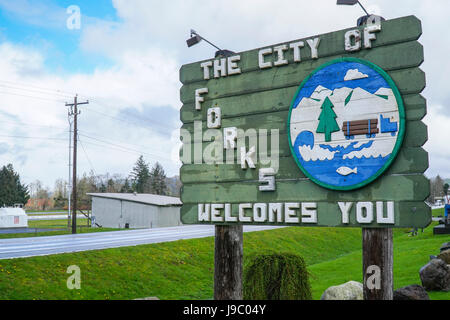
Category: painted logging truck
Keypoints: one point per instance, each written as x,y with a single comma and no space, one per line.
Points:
368,127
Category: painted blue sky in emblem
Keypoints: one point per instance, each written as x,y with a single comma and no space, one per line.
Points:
332,77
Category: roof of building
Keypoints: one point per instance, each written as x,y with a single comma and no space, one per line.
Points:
12,211
145,198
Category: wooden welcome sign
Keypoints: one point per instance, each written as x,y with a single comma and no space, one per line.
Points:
321,131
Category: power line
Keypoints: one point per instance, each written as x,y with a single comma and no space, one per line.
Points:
28,137
125,148
120,141
24,124
112,148
85,153
141,125
32,97
140,117
69,94
34,90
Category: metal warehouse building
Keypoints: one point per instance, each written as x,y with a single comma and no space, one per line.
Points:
128,210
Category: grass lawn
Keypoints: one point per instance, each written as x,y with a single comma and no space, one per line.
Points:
45,211
184,269
43,214
410,254
438,212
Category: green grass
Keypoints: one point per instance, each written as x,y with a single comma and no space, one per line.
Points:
410,254
60,223
184,269
438,212
47,210
43,214
54,224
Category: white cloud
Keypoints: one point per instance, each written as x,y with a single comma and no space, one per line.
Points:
147,48
145,82
235,25
354,74
437,121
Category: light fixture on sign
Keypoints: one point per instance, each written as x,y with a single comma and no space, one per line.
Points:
196,38
351,3
367,19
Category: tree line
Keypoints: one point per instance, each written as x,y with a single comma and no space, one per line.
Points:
438,188
142,179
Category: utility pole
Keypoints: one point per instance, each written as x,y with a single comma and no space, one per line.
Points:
75,114
69,186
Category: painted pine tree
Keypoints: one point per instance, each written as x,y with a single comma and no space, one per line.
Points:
327,120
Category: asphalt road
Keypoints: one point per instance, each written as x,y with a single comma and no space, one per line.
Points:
39,246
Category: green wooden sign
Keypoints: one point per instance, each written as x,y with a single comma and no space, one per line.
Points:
321,131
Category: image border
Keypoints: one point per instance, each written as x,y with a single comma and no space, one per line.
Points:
400,136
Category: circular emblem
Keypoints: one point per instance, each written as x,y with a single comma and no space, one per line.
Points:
346,124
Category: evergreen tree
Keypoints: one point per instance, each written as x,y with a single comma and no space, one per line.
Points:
158,180
102,188
140,176
327,119
111,186
11,189
126,188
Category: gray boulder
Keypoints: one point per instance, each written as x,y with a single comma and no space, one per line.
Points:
351,290
445,246
445,256
413,292
435,276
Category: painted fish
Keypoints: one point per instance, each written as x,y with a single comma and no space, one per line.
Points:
345,171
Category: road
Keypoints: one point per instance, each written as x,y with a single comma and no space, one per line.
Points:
40,246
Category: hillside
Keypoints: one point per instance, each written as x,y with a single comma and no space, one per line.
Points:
184,269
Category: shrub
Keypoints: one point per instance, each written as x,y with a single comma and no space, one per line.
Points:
276,276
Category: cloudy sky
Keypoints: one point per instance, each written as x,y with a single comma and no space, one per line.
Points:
125,58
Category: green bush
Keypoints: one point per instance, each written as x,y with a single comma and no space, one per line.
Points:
276,276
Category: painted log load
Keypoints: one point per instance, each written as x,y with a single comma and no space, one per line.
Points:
368,127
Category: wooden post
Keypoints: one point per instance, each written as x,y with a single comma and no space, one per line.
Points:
228,256
378,264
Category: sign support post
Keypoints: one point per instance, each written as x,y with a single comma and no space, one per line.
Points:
378,260
228,256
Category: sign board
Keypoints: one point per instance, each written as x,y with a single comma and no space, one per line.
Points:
321,131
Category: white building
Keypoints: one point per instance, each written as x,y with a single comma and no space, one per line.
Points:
128,210
13,218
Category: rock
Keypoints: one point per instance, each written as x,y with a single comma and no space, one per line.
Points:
351,290
435,275
413,292
433,257
445,246
147,298
445,256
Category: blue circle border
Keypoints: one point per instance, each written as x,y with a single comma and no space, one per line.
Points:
401,134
